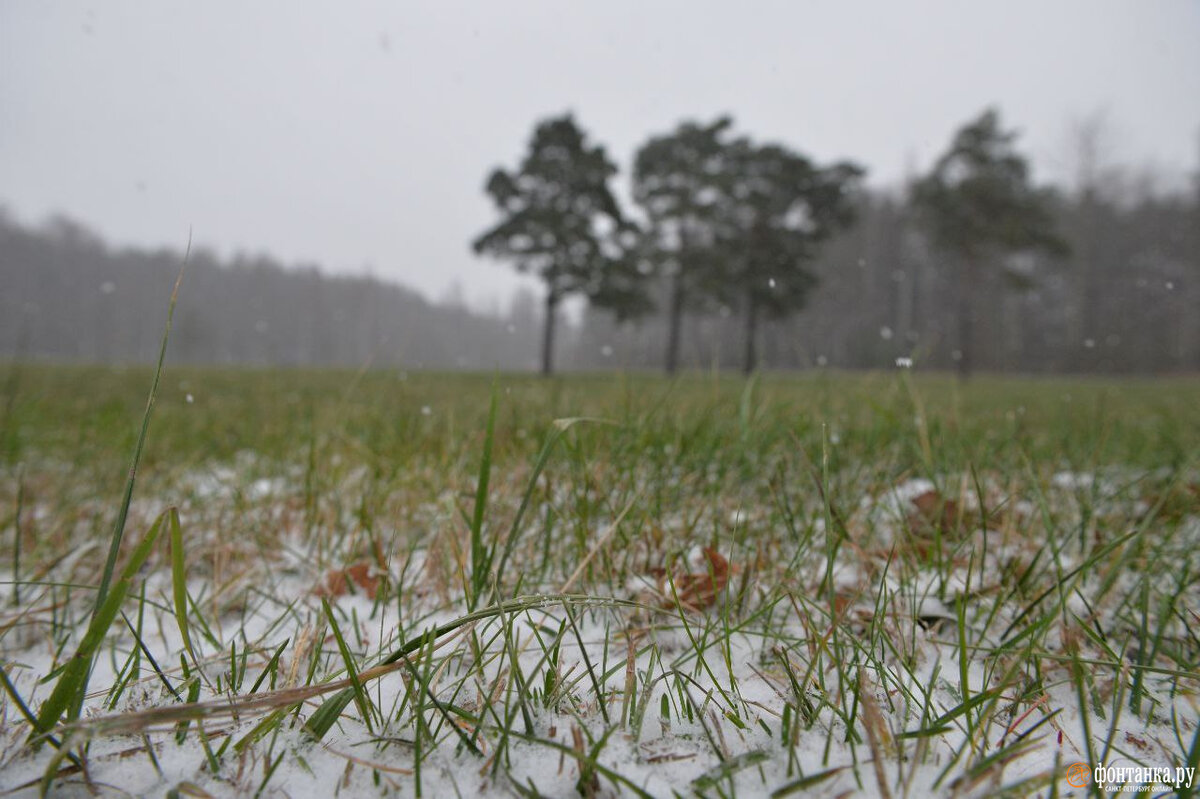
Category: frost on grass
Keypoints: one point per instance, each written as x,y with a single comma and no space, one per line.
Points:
949,634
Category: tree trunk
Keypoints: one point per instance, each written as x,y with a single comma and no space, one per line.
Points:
548,333
674,322
750,358
966,318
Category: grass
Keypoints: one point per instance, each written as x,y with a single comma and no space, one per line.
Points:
419,584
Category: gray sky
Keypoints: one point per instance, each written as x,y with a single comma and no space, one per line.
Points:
356,134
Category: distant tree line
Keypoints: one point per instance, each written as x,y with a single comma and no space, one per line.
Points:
732,253
68,296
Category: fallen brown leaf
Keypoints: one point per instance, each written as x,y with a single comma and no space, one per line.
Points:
338,582
933,509
699,591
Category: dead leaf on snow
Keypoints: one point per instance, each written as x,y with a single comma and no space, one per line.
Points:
934,509
695,590
359,576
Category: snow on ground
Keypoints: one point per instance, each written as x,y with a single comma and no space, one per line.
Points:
808,675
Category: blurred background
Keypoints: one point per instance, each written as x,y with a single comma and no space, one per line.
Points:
1006,187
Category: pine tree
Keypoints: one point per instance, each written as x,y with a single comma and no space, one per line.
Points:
679,180
978,205
560,221
779,208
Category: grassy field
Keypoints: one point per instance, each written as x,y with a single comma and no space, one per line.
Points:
369,584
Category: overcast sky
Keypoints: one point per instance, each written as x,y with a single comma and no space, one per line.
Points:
357,135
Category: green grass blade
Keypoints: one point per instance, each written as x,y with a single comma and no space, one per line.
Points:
327,714
723,771
118,532
561,426
19,701
588,761
179,584
271,667
360,697
805,783
481,556
73,680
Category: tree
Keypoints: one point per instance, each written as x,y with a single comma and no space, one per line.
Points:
561,222
778,208
678,180
977,205
1083,220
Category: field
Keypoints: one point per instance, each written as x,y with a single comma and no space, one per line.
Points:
371,583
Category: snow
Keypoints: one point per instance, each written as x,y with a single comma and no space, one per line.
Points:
735,678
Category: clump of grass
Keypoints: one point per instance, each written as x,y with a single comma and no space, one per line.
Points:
70,688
